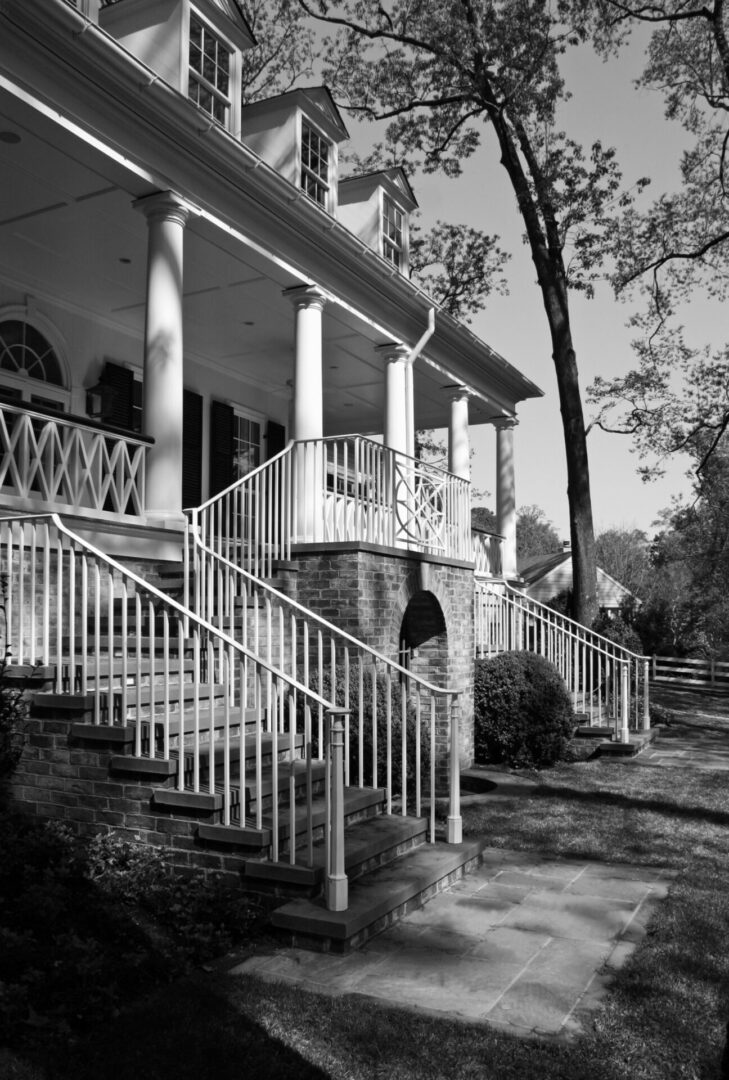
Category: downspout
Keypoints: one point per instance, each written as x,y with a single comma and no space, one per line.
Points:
409,389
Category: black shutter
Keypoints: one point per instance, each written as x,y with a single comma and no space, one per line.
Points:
192,424
275,438
118,402
221,446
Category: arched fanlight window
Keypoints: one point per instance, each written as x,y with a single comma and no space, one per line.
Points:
25,352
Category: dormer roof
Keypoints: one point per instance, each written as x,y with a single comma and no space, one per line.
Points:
394,181
315,101
234,13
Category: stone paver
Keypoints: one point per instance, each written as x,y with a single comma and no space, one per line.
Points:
524,943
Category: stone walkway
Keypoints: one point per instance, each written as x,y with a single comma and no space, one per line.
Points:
526,943
529,944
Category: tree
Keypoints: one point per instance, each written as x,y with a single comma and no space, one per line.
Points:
441,72
676,397
623,553
685,609
284,52
535,534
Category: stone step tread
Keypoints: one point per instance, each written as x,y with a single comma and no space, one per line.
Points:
365,839
376,895
356,800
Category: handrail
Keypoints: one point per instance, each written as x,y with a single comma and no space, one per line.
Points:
519,596
243,479
312,616
588,661
170,602
75,420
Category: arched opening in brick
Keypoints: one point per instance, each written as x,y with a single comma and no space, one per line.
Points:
424,639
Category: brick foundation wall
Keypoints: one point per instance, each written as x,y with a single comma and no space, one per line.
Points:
70,779
367,592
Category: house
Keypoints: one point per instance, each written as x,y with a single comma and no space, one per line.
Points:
546,576
248,607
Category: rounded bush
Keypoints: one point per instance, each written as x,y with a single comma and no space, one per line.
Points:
523,710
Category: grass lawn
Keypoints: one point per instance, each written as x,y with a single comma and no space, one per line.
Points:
664,1017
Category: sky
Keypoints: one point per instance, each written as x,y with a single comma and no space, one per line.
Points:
605,105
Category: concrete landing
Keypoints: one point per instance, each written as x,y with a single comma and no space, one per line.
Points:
525,943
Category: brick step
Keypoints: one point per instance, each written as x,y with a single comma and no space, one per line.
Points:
376,899
250,793
369,842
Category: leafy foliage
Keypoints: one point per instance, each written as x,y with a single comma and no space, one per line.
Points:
523,710
676,396
458,265
284,53
623,553
86,927
535,534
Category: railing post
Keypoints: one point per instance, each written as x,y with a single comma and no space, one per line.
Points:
646,700
455,821
336,884
624,736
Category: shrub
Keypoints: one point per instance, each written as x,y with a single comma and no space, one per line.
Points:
87,926
616,629
523,710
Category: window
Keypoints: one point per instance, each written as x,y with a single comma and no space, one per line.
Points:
315,154
393,223
26,360
246,445
209,76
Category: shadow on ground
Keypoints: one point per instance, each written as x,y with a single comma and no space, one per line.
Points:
186,1031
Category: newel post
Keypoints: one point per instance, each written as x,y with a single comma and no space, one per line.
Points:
336,885
625,702
646,698
455,821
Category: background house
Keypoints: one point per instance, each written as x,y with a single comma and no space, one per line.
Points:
546,576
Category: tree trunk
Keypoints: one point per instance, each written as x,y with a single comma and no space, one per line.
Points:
582,536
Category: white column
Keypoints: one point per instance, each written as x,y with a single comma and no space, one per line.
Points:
396,435
459,448
308,412
399,436
506,491
163,354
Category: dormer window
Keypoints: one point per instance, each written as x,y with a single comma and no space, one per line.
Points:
393,232
315,158
209,75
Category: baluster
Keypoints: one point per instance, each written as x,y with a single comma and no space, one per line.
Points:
152,633
418,748
124,644
59,613
271,705
166,680
432,769
210,651
84,622
374,723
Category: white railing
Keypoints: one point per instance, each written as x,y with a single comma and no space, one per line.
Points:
488,554
337,490
63,463
230,719
185,689
380,695
607,682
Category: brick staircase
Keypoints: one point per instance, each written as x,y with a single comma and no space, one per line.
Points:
131,730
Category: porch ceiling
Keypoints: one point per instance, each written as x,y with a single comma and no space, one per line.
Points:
69,236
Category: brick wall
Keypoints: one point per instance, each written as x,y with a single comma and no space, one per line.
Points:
368,592
68,778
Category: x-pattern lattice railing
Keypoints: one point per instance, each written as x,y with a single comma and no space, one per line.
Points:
60,462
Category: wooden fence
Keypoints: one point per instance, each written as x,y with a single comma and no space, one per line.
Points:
709,673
